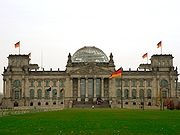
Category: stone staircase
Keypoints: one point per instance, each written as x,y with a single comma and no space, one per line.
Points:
90,104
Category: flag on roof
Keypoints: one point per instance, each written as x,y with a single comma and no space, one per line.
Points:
145,55
159,44
116,73
17,44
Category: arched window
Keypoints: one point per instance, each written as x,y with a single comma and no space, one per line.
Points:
31,104
39,93
126,93
141,94
17,94
61,92
15,104
118,93
47,94
31,93
39,103
54,93
54,103
133,94
149,93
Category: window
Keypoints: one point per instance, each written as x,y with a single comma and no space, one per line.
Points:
148,83
90,88
47,94
15,104
31,94
164,94
39,103
54,83
126,93
118,82
141,94
61,83
98,87
61,92
39,83
133,83
133,94
39,93
31,104
126,83
31,83
149,94
118,93
141,83
54,93
83,88
47,83
17,95
17,83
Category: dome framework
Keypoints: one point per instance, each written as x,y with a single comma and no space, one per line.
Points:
89,54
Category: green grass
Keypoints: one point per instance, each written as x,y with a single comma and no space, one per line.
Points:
93,121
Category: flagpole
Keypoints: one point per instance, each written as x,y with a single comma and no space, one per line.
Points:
19,50
161,49
41,59
121,94
147,58
121,89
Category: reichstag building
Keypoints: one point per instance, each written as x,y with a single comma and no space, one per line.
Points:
86,82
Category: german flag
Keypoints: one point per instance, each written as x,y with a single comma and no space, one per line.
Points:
145,55
159,44
116,73
16,45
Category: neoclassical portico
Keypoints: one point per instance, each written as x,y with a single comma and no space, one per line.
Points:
89,89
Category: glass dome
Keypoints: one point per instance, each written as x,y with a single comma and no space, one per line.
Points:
89,54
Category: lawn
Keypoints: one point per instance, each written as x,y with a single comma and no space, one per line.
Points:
93,121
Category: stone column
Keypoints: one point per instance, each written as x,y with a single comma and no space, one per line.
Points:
26,87
58,90
50,92
4,87
9,89
22,95
145,89
86,98
102,87
94,89
176,89
35,89
79,96
130,90
43,89
137,90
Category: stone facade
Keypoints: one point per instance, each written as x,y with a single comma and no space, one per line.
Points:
86,82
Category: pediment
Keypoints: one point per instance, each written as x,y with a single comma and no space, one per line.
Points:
88,70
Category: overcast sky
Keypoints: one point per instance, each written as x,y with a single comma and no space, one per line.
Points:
50,29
